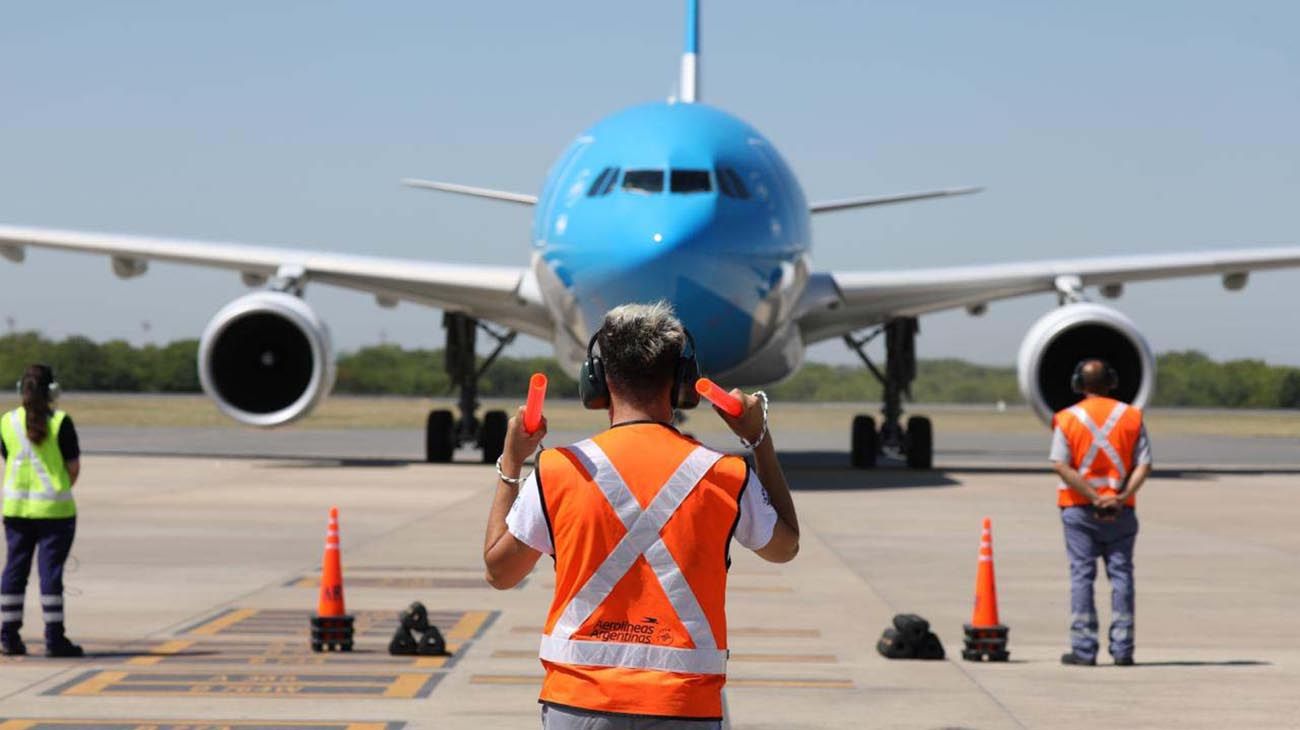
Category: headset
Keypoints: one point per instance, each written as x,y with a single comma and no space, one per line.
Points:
44,381
1076,380
593,389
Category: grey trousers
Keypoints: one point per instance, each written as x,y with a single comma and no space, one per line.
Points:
1087,539
555,717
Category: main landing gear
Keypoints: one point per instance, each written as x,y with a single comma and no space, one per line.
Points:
445,432
915,444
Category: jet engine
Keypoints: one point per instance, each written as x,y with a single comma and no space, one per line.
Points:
266,359
1056,344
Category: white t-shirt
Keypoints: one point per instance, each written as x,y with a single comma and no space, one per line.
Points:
527,519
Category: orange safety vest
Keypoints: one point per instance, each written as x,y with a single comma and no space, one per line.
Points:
641,519
1102,434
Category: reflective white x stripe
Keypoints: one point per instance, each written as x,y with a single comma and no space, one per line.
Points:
642,539
638,656
25,453
1101,439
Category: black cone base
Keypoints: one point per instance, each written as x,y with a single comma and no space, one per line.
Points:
986,643
331,633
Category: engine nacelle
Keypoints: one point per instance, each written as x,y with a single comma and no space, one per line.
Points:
1056,344
266,359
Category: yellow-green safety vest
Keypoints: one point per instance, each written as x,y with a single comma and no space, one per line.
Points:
37,484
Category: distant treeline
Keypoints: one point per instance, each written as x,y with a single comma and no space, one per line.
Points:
1185,378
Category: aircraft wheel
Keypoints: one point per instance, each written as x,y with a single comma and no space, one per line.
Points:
865,444
920,443
439,437
492,437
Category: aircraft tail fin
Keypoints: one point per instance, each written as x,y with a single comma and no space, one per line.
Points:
689,91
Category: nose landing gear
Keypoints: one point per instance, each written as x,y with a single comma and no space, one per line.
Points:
913,444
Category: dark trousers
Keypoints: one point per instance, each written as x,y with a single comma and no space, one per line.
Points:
50,541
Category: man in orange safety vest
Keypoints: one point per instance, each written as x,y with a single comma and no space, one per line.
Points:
1101,452
639,521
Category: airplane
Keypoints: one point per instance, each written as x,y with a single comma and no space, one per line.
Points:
675,200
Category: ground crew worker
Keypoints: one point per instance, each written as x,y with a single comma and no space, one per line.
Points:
1101,452
639,520
42,461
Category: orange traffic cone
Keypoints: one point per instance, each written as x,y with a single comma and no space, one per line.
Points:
331,627
986,637
331,572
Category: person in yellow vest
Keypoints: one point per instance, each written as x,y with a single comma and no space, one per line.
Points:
639,520
1102,454
42,460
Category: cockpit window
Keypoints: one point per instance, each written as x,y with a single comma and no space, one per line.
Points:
644,181
730,183
599,182
690,181
609,181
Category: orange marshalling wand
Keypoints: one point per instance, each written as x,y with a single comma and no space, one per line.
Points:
986,637
726,402
533,406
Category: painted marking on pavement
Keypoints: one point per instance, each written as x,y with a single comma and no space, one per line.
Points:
465,625
63,724
275,652
101,683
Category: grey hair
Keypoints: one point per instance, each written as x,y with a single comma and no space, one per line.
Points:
640,345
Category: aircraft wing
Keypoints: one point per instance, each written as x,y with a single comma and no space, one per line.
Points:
835,303
501,294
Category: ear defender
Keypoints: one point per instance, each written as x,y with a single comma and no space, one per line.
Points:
1076,379
684,394
46,381
592,388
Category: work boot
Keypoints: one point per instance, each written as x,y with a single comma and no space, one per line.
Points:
63,649
1071,659
1123,661
12,646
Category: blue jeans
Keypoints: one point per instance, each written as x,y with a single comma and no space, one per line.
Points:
1087,539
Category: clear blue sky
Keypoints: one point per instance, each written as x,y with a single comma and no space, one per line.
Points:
1101,127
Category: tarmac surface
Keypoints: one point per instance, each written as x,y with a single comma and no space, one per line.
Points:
195,576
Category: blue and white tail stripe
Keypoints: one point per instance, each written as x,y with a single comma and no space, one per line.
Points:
690,82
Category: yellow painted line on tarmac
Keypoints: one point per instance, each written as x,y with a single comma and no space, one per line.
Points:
182,724
95,684
407,686
222,623
160,652
468,626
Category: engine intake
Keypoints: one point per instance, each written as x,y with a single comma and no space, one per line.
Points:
1056,344
266,359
